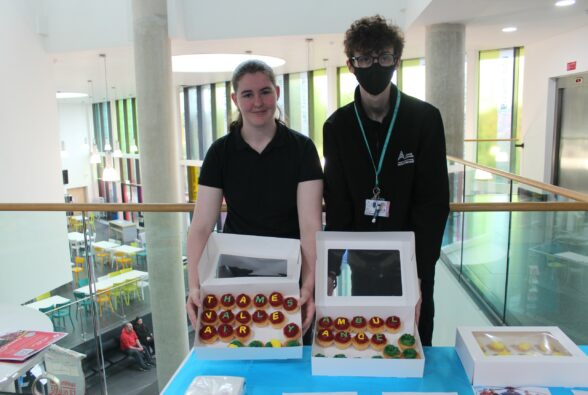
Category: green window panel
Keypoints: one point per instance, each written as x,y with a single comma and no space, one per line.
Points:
411,77
499,105
318,108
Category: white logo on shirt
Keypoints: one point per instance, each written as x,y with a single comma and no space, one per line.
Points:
405,159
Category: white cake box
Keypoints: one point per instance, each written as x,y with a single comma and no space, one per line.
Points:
239,264
521,356
402,304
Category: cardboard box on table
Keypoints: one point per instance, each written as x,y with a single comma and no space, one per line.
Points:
368,306
250,247
567,367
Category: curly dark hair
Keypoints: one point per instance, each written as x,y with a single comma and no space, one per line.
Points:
373,34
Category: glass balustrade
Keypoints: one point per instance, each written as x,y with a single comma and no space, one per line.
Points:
89,271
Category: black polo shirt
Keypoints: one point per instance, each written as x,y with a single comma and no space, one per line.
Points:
260,189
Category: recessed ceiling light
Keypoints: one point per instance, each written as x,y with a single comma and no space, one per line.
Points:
564,3
509,29
209,63
70,95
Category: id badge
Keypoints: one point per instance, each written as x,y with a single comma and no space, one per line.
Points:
377,208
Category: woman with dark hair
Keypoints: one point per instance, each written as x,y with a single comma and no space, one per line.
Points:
270,177
144,334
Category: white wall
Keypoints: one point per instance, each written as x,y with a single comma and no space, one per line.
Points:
75,126
33,246
546,60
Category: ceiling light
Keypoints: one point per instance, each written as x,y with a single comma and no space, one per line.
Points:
564,3
509,29
70,95
208,63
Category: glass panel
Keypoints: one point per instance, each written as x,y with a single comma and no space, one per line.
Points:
346,84
207,133
367,272
281,101
220,112
548,272
319,107
413,77
495,99
484,255
298,102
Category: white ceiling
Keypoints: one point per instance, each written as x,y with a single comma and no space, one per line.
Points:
77,31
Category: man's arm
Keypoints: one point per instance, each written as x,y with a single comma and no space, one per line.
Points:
339,207
430,206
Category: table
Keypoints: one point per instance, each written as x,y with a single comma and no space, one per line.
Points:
16,318
76,237
443,373
573,257
125,231
126,249
105,245
48,302
106,282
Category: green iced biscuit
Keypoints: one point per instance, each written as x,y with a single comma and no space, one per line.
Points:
340,356
235,344
409,353
256,343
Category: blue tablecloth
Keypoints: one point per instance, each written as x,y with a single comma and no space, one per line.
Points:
443,373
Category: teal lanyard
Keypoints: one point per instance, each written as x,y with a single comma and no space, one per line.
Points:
392,122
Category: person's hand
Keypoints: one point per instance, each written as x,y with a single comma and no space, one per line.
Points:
308,308
141,348
193,304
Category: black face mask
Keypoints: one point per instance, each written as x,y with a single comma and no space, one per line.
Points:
374,79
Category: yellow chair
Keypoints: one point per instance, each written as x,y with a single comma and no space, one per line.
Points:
122,260
43,296
78,268
101,254
131,287
117,291
103,298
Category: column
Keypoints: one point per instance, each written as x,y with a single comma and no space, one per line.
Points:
160,180
445,60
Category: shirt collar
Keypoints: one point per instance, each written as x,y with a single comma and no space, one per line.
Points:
278,140
393,92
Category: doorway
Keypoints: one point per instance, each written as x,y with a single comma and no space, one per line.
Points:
571,134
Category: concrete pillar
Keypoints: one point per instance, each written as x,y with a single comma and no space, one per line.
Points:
445,60
160,180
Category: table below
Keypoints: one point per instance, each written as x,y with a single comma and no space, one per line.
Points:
105,245
443,373
48,302
106,282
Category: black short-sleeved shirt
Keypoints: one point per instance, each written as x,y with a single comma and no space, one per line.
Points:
260,189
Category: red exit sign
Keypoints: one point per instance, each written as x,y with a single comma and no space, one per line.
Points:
571,66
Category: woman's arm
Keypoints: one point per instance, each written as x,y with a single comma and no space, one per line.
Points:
309,203
206,213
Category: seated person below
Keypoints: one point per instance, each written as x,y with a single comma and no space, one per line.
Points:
130,345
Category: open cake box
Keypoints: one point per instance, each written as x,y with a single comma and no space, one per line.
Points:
521,356
386,255
236,265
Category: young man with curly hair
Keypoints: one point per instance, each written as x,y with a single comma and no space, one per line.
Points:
385,164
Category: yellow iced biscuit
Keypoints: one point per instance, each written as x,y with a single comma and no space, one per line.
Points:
524,346
504,352
496,346
273,343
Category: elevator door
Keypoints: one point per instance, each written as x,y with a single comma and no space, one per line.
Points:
571,164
